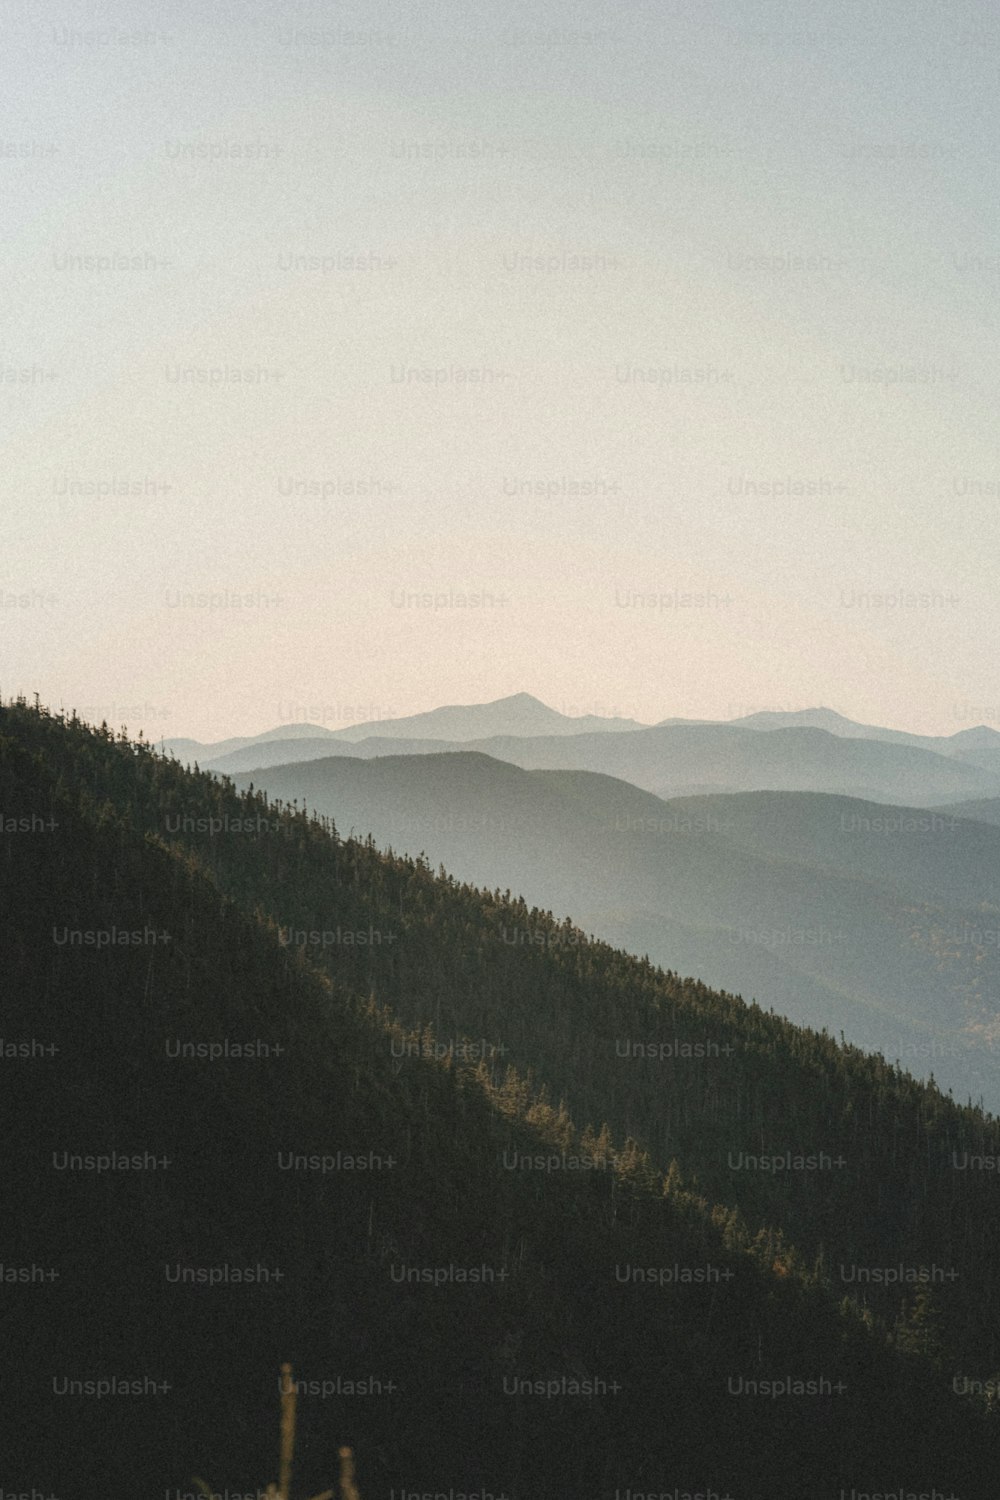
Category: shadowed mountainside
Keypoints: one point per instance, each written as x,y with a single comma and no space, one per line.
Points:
139,1169
867,919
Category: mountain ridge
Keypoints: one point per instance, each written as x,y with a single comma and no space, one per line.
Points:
729,887
522,715
248,871
678,760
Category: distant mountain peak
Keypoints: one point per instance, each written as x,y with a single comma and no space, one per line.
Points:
807,718
517,714
979,736
816,718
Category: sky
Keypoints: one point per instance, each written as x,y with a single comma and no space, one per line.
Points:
357,359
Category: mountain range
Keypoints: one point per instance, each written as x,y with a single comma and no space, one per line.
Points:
690,760
238,1042
816,750
518,714
879,922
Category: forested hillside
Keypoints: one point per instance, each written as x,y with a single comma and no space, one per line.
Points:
425,1065
874,921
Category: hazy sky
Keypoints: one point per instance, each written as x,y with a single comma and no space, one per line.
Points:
706,294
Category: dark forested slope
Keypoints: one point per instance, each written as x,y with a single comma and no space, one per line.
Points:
356,1155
